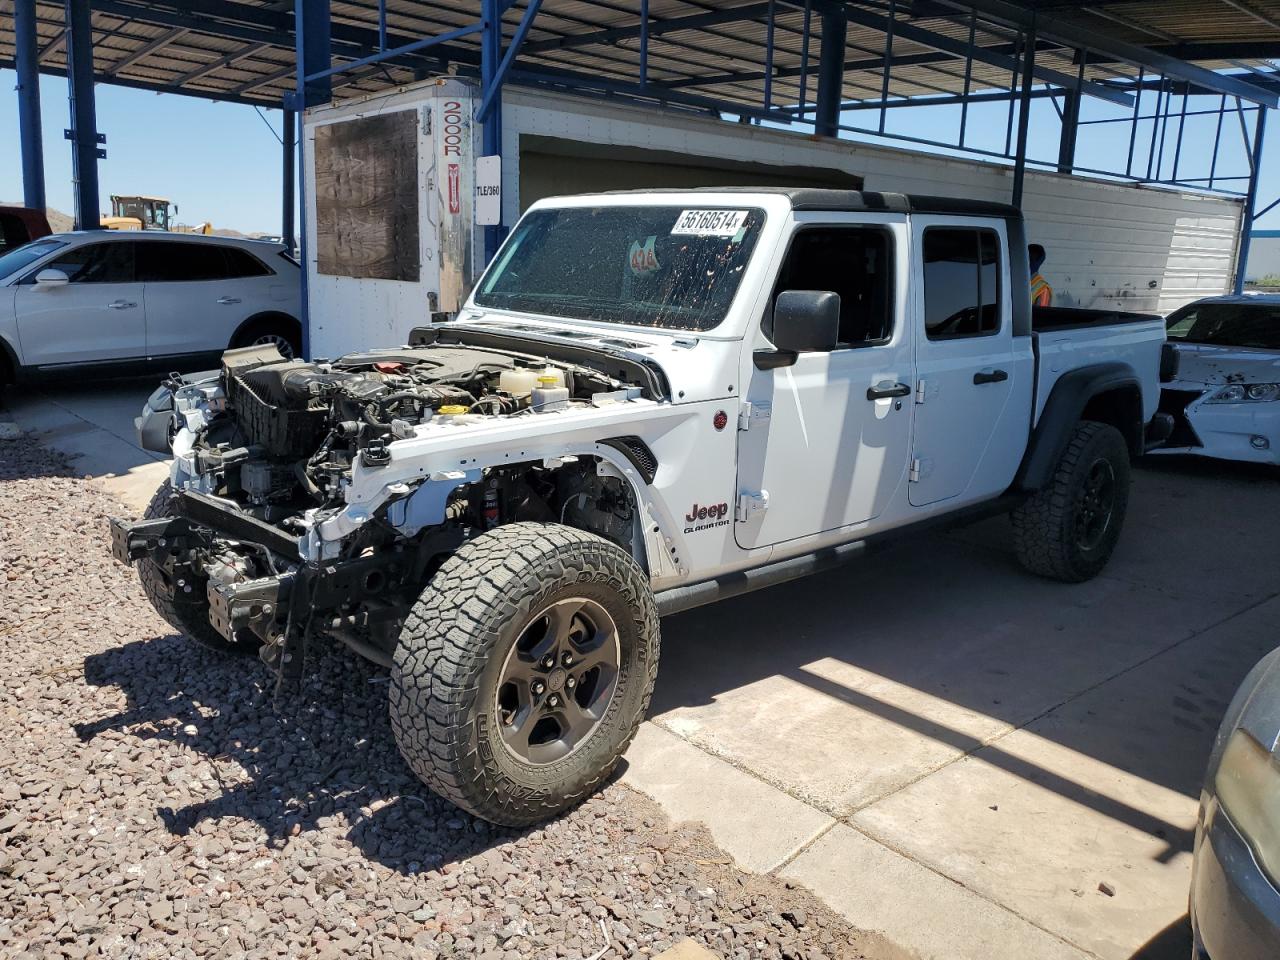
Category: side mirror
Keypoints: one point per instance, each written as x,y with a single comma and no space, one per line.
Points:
51,277
804,321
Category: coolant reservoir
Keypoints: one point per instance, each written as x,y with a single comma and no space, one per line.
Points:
518,383
551,373
549,395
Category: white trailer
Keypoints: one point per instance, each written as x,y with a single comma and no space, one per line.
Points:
1113,245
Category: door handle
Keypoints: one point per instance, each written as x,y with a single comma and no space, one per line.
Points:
990,376
227,300
887,388
121,305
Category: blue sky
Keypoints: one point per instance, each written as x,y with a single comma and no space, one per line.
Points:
220,162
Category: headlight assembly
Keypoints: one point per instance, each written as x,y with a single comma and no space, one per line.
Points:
1248,787
1246,393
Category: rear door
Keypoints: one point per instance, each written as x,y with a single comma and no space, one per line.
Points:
968,432
198,294
98,317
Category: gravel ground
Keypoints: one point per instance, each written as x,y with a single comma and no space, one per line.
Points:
157,800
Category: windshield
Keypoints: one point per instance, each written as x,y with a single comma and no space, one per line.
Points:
20,258
1254,325
648,266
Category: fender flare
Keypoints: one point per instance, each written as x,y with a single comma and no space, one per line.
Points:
1065,408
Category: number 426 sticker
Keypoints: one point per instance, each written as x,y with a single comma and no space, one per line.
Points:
709,223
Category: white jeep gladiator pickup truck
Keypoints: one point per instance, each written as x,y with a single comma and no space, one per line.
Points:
650,401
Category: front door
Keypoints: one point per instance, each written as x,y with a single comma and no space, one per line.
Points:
826,439
98,317
967,434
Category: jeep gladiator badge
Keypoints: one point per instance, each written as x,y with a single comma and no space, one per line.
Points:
706,518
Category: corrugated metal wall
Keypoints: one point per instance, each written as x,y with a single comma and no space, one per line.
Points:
1113,245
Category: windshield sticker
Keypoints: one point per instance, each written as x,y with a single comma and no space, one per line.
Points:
709,223
643,259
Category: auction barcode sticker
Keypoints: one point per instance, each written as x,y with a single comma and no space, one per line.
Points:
709,223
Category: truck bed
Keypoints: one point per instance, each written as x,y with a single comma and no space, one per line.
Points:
1066,338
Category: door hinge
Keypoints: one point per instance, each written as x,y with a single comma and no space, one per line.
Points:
760,412
919,391
914,475
750,504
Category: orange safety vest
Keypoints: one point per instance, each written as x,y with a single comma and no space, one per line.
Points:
1041,292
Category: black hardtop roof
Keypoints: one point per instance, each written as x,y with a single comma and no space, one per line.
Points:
840,201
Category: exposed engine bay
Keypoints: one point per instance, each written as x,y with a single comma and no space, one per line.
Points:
260,525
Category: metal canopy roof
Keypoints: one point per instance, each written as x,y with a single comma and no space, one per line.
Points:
720,50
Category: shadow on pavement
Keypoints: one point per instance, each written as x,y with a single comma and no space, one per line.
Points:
290,759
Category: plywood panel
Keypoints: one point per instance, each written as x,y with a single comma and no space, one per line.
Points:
366,184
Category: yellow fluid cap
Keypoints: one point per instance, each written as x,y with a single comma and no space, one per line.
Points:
544,380
451,410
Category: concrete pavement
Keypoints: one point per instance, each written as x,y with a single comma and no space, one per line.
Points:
93,424
947,750
992,749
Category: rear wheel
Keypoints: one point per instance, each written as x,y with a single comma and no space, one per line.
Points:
1068,530
187,612
523,671
280,331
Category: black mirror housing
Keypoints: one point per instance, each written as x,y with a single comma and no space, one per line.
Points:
806,321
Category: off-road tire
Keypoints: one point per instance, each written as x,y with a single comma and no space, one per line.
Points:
1047,525
453,647
189,618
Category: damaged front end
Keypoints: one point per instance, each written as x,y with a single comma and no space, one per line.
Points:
258,535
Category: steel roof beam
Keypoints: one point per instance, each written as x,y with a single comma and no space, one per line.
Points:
751,11
1073,35
960,48
159,43
229,60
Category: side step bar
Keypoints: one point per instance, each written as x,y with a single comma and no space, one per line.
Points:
679,599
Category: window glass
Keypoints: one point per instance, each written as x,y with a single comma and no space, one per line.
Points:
19,258
856,263
961,282
96,263
1255,325
660,266
241,263
160,261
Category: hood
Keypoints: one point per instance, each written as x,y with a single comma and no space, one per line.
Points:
1210,364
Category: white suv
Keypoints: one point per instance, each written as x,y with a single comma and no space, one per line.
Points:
111,304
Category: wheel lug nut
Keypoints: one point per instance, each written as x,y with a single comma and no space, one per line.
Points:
567,659
570,682
548,661
538,687
553,701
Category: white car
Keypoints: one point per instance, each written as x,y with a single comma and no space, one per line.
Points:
102,303
1225,394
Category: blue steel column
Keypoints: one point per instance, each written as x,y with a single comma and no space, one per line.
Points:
312,45
491,125
1251,199
287,177
28,67
1024,114
84,119
831,72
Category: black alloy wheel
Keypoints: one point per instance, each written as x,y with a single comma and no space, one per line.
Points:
558,680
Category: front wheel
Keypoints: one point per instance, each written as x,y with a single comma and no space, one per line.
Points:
523,671
1068,530
183,606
